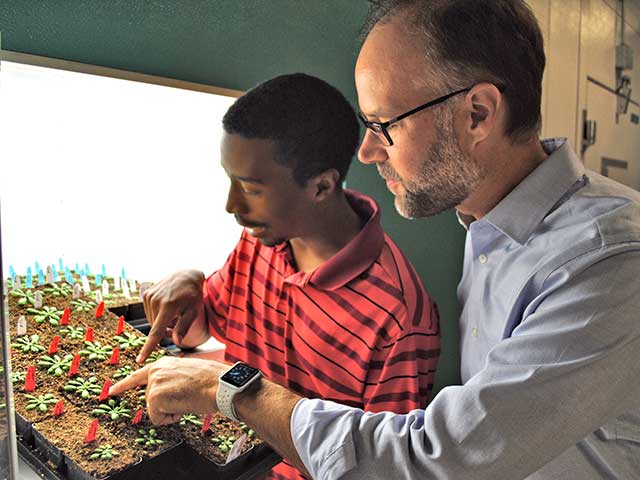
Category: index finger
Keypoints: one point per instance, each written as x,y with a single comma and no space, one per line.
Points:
157,332
136,379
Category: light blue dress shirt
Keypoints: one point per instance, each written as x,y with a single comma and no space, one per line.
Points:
550,350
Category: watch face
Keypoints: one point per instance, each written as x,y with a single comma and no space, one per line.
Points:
240,375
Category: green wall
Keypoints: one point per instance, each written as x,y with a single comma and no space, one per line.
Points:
235,44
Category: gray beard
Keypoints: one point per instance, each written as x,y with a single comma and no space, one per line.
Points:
446,178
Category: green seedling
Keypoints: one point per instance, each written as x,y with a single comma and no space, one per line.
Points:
157,355
73,332
129,340
104,452
245,428
49,314
190,418
96,351
18,377
55,364
223,443
116,410
29,344
84,388
41,402
83,305
142,395
123,372
25,296
148,438
62,290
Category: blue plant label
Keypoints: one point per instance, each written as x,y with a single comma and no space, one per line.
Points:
29,280
60,264
86,269
40,277
98,279
104,270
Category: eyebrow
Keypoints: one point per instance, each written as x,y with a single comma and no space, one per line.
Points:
249,179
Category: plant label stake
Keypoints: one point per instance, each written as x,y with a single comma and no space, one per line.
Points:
104,394
93,430
75,365
49,278
99,308
37,300
99,297
120,327
53,348
55,275
98,280
206,424
125,289
59,409
132,285
60,264
17,285
30,379
115,356
85,284
86,268
105,287
65,316
29,280
76,291
236,448
137,418
103,270
21,328
89,336
40,277
116,283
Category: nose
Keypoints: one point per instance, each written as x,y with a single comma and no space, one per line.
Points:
235,201
371,149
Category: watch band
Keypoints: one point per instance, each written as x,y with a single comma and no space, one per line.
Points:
224,399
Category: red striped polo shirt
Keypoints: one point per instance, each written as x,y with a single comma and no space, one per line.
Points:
360,329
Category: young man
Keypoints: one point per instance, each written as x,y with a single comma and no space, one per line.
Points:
315,294
550,338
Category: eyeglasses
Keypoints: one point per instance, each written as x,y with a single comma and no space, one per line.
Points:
380,128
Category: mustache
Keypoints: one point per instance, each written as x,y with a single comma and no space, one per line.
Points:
386,171
247,224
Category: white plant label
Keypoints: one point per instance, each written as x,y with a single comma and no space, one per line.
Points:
37,300
76,291
21,328
99,296
85,284
105,287
132,285
116,284
125,289
236,448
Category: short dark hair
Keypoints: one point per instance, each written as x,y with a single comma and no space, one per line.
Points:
472,41
311,123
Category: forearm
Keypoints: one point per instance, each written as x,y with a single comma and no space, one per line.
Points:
268,410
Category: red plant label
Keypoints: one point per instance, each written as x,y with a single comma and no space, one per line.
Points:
89,336
120,328
53,347
75,365
65,316
93,430
59,409
115,356
30,379
99,310
206,425
137,418
105,390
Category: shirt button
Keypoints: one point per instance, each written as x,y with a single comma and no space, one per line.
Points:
483,258
474,332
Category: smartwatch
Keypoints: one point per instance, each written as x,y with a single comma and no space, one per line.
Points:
237,379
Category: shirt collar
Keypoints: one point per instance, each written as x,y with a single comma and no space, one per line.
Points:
355,257
521,211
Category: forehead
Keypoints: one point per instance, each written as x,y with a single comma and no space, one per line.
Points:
391,72
250,158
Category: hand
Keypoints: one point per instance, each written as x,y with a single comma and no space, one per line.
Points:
175,386
174,307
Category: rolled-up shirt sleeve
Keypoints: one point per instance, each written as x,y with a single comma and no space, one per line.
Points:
569,367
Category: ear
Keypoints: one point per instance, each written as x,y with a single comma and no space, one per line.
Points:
483,108
323,185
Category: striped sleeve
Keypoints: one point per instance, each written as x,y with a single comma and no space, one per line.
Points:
216,292
401,374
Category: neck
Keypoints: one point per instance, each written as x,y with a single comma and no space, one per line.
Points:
507,168
332,226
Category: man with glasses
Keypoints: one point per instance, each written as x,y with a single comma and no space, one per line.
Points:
550,292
